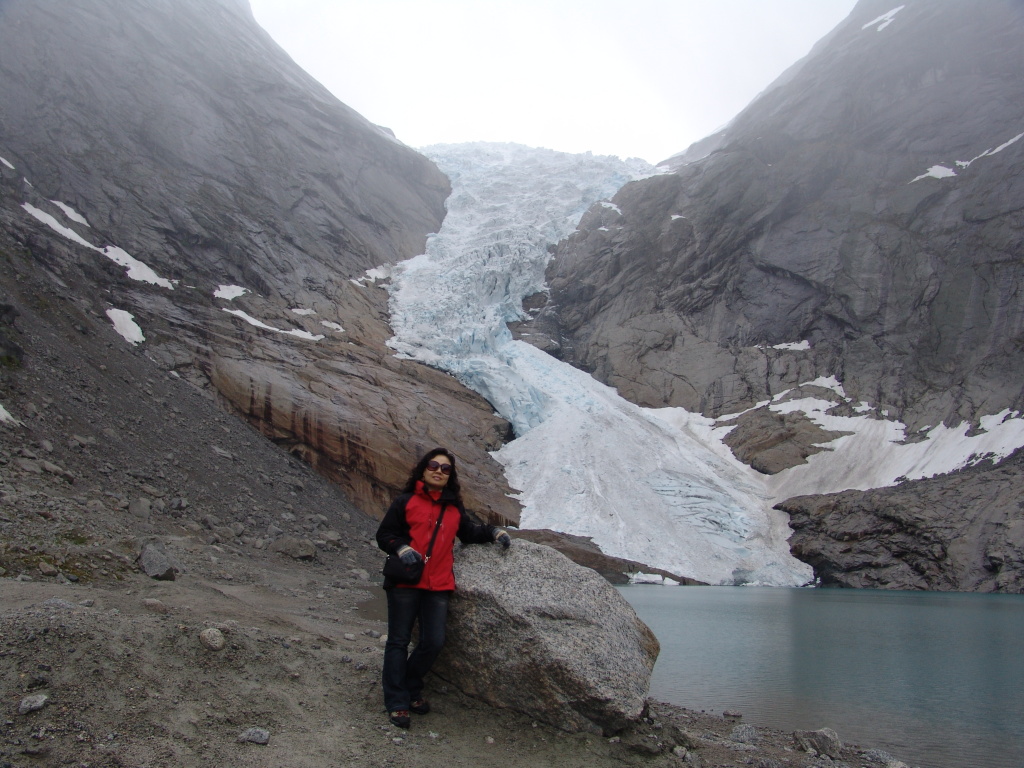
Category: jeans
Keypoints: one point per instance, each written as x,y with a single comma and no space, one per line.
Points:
404,671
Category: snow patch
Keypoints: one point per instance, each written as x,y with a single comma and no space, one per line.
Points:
651,578
942,172
230,292
333,326
5,416
304,312
794,346
70,212
4,161
935,172
259,324
124,324
885,19
990,152
136,270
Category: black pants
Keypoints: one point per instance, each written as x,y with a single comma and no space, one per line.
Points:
404,671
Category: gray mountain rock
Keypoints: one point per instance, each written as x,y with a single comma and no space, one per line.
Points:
814,220
860,219
962,532
187,138
530,630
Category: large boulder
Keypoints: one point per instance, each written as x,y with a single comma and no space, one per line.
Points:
532,631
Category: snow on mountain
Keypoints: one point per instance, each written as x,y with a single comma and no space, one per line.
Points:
585,460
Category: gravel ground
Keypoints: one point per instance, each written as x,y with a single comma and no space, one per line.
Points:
101,665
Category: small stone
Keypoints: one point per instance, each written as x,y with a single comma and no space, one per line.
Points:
212,638
47,569
349,636
731,713
255,736
154,605
297,549
824,741
489,739
745,734
140,508
32,703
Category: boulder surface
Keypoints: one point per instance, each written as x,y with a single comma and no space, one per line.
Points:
532,631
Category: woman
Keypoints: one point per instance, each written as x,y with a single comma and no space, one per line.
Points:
431,500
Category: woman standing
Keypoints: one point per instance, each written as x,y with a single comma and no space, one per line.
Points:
421,524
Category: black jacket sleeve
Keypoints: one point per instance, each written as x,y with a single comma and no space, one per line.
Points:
471,530
393,532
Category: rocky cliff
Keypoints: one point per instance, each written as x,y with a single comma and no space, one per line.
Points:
178,135
860,219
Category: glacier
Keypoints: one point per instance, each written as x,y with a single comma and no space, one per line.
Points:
657,486
661,491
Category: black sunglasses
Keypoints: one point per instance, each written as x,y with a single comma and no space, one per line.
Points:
433,466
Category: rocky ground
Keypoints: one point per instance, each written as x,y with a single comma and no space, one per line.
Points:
102,665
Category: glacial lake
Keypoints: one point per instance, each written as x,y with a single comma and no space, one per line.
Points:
936,679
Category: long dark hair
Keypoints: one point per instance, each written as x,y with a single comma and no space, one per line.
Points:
421,467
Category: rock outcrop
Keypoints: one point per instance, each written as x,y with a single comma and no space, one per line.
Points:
530,630
961,532
181,135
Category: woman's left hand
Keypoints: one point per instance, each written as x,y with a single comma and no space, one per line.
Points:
501,537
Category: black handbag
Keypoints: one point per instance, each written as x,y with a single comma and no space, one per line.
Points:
396,571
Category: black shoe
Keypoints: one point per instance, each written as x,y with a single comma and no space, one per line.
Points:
420,707
400,717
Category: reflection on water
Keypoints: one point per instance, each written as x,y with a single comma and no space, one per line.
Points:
935,678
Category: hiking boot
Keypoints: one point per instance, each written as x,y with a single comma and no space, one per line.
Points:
400,717
420,707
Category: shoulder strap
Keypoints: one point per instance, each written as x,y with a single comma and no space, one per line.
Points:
437,527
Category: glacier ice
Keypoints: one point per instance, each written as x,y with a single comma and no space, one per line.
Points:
585,460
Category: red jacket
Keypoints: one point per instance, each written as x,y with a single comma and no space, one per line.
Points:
410,521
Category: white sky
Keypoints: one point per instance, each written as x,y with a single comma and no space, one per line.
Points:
643,78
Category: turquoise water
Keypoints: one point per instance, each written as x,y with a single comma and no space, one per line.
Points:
937,679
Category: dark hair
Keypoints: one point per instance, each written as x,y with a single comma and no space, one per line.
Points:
421,467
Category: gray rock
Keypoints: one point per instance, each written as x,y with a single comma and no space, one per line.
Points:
32,703
212,639
824,742
745,734
299,549
255,736
532,631
154,605
962,532
156,563
140,508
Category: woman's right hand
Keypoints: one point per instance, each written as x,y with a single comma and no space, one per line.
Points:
408,555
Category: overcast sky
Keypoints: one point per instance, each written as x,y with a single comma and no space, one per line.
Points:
634,78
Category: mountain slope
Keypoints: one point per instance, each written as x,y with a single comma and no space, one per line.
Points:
817,220
859,224
178,135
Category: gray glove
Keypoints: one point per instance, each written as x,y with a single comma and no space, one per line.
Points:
501,537
408,555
